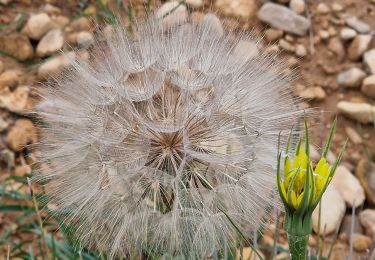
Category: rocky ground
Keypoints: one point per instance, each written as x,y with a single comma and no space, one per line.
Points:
328,44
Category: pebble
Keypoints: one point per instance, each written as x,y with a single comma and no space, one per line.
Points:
350,78
369,61
14,101
365,172
22,133
348,186
336,46
322,8
347,34
301,50
51,9
283,18
333,210
285,45
359,45
80,24
240,8
368,86
367,220
1,67
336,7
195,3
313,93
358,25
324,34
55,65
298,6
59,22
18,45
178,16
37,26
50,43
360,112
346,226
361,242
9,78
353,135
273,34
85,39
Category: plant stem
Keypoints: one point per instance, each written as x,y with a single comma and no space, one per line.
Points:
298,246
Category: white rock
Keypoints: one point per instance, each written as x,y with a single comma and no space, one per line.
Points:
336,7
37,26
332,211
368,86
353,135
359,45
283,18
178,16
358,25
369,61
367,220
298,6
50,43
195,3
349,187
350,78
347,34
285,45
85,38
361,112
301,50
322,8
324,34
55,65
51,9
239,8
16,100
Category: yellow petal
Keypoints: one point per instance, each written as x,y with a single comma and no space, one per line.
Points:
322,168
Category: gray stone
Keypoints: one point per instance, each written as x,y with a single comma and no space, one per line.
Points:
347,34
50,43
359,45
368,86
37,26
360,112
369,61
358,25
350,78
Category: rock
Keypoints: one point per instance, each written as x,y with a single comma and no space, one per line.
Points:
336,7
9,78
349,187
15,101
365,172
22,133
336,46
358,25
285,45
361,242
18,45
55,65
354,137
346,226
50,43
314,93
298,6
80,24
369,61
5,2
333,210
3,124
324,34
240,8
273,34
367,220
347,34
301,50
359,45
248,253
361,112
350,78
59,22
1,67
368,86
283,18
340,251
322,8
177,17
85,38
195,3
37,26
51,9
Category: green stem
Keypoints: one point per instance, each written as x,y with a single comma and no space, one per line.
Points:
298,246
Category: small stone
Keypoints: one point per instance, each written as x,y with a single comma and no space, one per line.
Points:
301,50
324,34
9,78
369,61
21,134
358,25
240,8
361,112
322,8
80,24
349,187
298,6
1,67
51,9
248,253
353,135
14,101
359,45
346,226
367,220
50,43
37,26
3,124
195,3
347,34
314,93
283,18
273,34
59,22
85,39
18,45
361,242
55,65
350,78
333,210
368,86
285,45
336,7
365,172
177,17
336,46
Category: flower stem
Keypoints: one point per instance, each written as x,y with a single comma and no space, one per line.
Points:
298,246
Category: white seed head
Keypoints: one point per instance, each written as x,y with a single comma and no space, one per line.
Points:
149,141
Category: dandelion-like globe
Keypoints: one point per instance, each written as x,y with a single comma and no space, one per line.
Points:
164,141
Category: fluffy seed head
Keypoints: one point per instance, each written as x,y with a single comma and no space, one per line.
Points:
147,143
